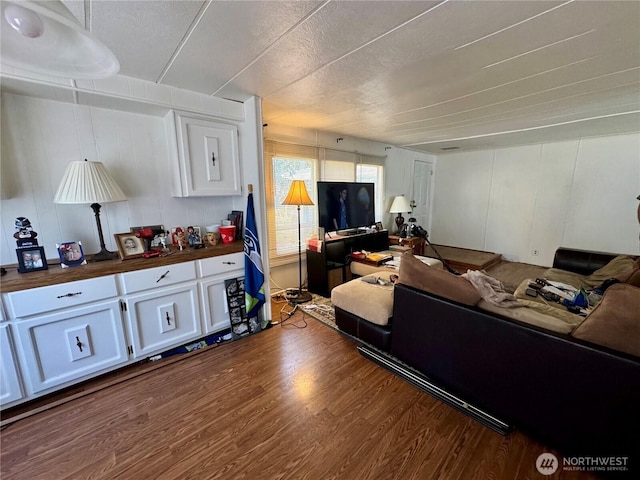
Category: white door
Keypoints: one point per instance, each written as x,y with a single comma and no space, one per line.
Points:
422,178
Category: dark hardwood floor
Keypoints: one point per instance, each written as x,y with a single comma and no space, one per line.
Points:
286,403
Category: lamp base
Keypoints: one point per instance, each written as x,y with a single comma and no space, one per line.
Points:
399,222
299,297
104,254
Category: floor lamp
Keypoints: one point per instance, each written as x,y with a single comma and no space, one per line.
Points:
89,182
298,196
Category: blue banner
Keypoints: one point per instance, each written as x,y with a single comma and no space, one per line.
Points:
253,273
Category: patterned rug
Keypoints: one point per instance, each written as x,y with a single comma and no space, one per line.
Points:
321,309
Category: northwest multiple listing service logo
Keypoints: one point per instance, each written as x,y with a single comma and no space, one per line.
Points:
548,464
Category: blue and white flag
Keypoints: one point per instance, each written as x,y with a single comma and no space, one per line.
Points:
253,273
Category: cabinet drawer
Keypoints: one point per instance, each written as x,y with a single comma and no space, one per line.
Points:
65,295
141,280
221,264
63,347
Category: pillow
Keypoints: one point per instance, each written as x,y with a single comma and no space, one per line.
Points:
615,322
416,274
634,279
621,268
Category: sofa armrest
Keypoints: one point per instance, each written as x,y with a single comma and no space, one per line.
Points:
583,262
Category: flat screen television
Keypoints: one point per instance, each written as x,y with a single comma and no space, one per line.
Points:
346,206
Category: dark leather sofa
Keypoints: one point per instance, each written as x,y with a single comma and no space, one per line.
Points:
577,397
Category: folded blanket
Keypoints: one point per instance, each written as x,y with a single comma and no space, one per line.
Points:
491,289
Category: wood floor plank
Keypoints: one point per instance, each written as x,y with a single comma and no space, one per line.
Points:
285,403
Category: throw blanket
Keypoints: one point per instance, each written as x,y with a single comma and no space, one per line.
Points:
491,289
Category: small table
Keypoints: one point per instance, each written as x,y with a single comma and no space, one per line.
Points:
416,243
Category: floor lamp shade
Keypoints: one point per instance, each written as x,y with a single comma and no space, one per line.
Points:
90,183
298,195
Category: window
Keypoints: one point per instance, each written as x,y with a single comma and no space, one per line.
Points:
286,162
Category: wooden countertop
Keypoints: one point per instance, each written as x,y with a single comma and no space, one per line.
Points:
14,281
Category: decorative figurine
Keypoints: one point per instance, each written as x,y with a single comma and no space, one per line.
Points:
25,236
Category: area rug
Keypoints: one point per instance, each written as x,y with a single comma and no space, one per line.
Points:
321,309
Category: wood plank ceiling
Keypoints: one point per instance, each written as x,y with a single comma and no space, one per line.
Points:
425,74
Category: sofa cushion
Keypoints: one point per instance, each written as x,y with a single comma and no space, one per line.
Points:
615,322
416,274
620,268
570,278
371,302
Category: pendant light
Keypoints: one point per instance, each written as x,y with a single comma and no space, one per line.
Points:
44,37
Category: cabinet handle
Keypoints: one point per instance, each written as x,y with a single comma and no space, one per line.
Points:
69,295
162,276
229,263
168,319
213,158
79,343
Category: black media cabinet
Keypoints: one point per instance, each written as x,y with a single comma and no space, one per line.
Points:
330,267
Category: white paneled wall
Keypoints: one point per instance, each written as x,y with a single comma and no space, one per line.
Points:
40,137
579,194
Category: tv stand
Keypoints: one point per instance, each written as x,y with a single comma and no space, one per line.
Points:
349,233
330,267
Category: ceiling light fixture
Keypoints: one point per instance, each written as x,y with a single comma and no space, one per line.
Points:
46,38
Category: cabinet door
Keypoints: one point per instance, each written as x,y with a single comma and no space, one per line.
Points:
209,160
10,385
62,347
214,303
163,319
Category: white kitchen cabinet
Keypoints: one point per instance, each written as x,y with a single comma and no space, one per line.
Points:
163,318
10,384
64,347
208,160
213,272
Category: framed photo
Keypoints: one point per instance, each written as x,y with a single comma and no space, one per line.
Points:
161,233
194,236
379,226
71,254
31,259
129,246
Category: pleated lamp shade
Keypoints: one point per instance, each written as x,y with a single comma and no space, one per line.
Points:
88,182
297,194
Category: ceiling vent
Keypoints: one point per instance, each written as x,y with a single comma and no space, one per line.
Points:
450,148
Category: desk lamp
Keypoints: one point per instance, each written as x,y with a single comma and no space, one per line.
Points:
298,196
90,182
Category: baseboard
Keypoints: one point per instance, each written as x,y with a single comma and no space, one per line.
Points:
424,384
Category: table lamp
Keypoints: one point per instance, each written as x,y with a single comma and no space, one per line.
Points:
90,182
400,205
298,196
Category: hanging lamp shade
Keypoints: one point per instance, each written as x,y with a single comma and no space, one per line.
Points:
298,194
45,37
88,182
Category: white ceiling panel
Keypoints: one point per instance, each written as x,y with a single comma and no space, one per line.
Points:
426,74
229,37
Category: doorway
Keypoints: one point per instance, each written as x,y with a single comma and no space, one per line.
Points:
421,201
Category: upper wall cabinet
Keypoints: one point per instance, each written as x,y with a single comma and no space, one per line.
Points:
208,161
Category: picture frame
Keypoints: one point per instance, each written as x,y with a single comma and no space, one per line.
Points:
31,259
379,226
129,246
71,254
194,236
237,219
